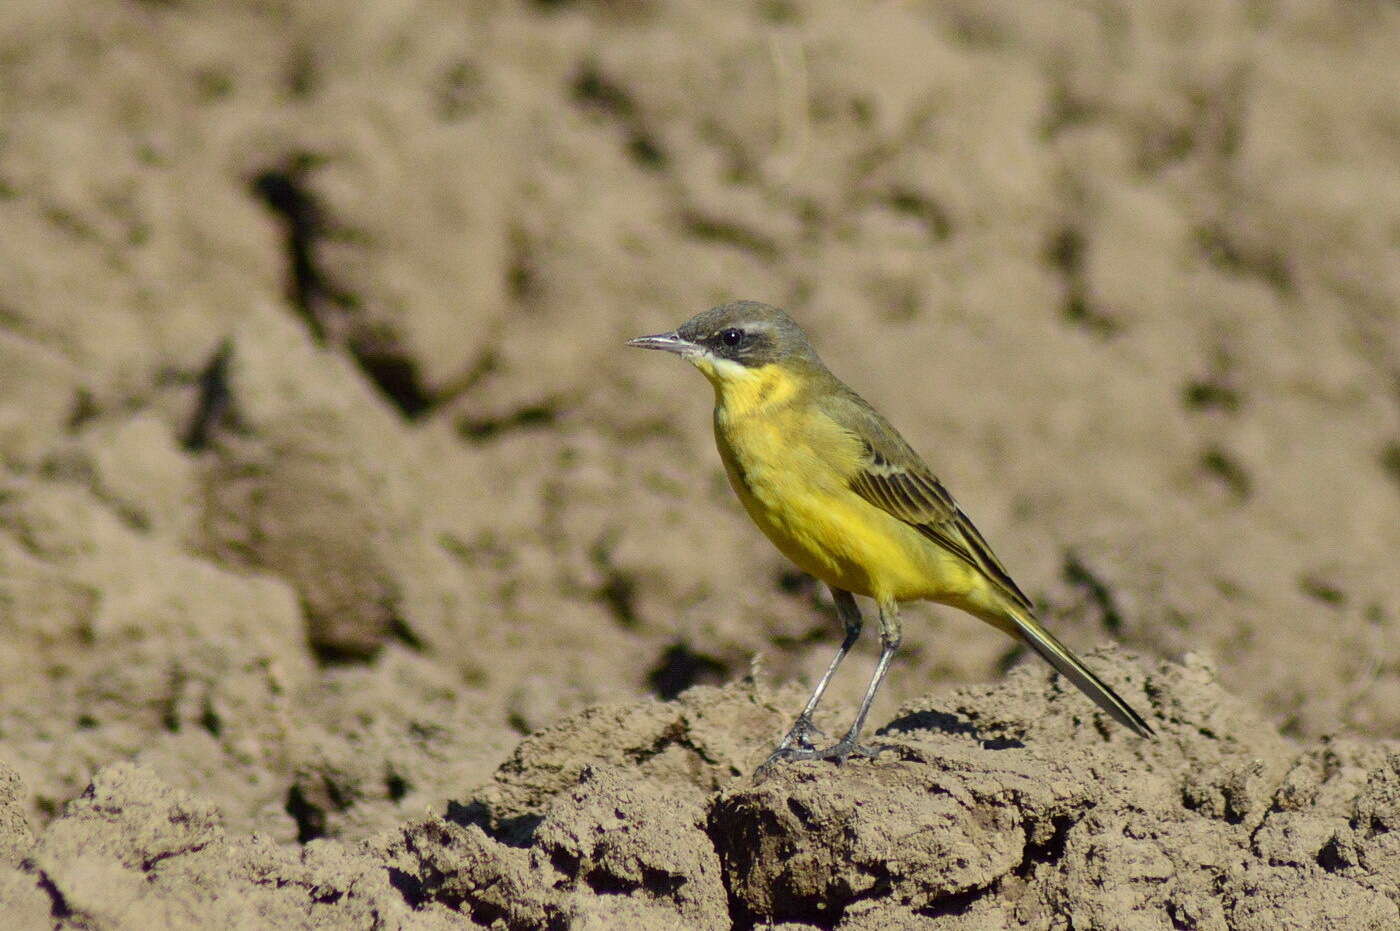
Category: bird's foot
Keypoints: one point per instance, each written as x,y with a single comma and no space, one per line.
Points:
839,752
799,737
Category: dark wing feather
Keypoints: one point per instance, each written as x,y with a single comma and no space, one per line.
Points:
893,478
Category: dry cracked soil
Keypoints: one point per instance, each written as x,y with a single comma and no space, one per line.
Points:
353,574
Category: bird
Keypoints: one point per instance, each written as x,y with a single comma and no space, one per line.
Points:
842,495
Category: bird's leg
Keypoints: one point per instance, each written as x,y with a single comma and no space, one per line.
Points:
799,738
850,745
890,635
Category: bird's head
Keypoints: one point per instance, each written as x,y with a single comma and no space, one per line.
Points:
734,341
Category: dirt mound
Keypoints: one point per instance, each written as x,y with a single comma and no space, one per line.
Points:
989,807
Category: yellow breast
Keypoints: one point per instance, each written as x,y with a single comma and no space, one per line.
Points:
784,459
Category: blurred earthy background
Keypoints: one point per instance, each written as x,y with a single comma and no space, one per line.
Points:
325,476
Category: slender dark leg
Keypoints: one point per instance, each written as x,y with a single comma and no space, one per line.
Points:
800,736
849,745
890,634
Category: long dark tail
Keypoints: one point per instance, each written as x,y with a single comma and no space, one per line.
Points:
1058,655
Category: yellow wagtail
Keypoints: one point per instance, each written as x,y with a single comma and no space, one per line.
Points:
842,495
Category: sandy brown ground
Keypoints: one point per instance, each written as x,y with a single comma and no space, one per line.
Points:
353,575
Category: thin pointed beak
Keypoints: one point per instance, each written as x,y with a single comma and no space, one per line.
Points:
669,342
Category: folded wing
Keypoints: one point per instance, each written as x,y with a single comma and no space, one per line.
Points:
892,477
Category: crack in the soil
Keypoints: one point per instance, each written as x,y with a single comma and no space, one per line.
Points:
334,315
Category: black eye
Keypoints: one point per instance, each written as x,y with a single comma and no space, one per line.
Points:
731,337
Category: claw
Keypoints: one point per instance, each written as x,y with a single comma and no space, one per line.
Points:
839,753
801,734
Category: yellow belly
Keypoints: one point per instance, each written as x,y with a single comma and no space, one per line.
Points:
806,508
